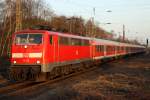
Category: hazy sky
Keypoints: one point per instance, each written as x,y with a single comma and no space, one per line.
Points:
134,14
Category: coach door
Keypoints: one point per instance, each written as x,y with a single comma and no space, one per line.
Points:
53,49
56,48
91,49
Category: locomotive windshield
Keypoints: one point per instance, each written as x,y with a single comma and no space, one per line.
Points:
28,39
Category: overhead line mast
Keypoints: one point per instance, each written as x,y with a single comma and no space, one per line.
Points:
18,15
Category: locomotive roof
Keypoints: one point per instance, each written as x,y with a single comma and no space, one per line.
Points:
31,31
69,35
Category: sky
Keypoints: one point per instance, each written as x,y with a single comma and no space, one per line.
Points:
134,14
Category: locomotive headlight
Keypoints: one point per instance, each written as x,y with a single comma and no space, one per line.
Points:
25,46
38,62
15,62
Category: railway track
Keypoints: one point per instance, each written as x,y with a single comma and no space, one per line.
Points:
3,81
14,87
26,87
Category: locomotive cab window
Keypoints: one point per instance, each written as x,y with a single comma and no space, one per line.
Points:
35,39
21,39
28,39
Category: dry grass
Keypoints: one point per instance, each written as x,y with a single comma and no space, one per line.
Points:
115,86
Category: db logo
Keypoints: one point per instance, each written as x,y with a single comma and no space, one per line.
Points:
25,55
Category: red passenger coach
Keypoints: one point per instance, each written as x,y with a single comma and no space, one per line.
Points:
41,54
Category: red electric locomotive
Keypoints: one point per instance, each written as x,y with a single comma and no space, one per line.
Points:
42,54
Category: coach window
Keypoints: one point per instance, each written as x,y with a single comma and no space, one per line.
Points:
127,49
101,48
51,39
110,48
86,42
64,40
75,42
97,48
107,48
119,48
80,42
122,48
113,48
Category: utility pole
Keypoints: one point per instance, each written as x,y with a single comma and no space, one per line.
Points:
9,12
93,26
123,32
18,15
147,42
147,48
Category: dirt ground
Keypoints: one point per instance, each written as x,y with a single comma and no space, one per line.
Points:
124,79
